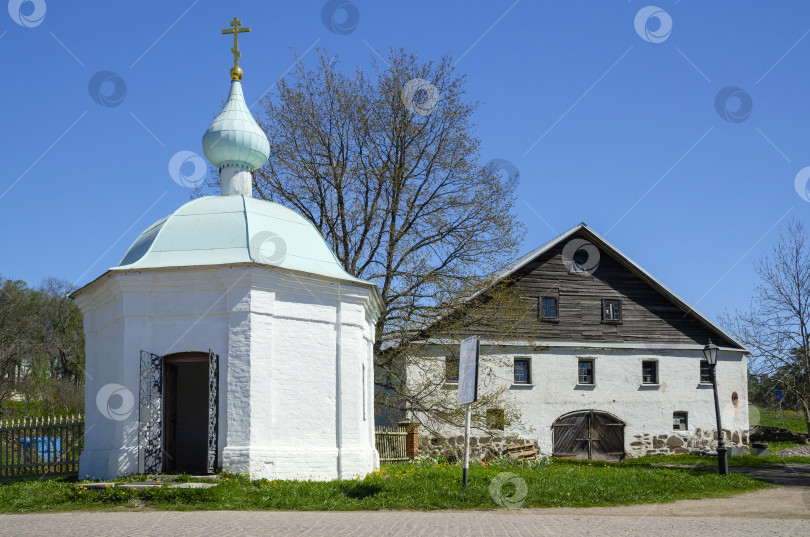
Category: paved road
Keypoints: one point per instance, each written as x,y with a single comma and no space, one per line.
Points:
388,523
781,511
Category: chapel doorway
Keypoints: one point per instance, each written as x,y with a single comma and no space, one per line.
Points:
589,434
178,403
187,412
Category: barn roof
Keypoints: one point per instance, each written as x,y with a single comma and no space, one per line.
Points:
512,268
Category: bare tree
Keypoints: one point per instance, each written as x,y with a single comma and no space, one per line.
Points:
386,166
777,327
415,370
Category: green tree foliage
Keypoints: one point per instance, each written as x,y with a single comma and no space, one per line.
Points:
762,388
41,349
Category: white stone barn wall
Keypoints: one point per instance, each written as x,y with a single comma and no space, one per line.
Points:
295,360
618,390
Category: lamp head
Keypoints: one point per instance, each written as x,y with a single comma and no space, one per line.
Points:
710,352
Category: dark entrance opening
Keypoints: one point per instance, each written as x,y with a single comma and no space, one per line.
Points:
589,434
185,412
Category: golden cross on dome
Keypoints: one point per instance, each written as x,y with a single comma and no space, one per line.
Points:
236,71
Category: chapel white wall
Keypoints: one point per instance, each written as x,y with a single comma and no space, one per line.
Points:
281,408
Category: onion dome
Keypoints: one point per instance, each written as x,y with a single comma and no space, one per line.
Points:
234,138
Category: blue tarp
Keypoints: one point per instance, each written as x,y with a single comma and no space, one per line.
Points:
42,448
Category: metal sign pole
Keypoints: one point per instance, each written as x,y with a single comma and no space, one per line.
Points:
468,390
466,442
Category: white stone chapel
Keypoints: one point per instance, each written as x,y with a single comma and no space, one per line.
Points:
229,337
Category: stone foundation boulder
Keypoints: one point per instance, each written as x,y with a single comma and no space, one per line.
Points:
763,433
481,447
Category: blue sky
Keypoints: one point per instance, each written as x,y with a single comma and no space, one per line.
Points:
608,125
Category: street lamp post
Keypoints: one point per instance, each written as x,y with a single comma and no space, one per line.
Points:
710,352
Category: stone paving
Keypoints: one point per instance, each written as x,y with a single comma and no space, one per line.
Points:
386,523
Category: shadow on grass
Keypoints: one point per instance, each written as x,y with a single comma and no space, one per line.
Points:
58,478
361,491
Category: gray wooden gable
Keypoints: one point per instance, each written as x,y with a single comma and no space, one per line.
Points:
651,313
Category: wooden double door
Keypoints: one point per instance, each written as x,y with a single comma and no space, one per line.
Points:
589,434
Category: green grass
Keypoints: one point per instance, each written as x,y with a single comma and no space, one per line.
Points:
744,461
425,485
785,419
776,447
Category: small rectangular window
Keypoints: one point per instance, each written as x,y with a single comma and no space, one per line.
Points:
705,372
649,372
611,310
680,421
548,308
585,372
523,371
15,374
451,369
495,419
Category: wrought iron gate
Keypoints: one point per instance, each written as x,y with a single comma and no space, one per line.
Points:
150,410
150,426
589,434
213,409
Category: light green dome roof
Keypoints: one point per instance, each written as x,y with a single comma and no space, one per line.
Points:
218,230
234,138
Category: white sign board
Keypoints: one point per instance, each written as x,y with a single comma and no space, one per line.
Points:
468,371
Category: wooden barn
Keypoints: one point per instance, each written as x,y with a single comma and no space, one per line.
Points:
608,363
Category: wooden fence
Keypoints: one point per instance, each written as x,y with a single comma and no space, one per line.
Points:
36,447
391,444
32,447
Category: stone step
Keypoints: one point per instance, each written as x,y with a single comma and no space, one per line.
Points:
95,486
142,485
171,477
